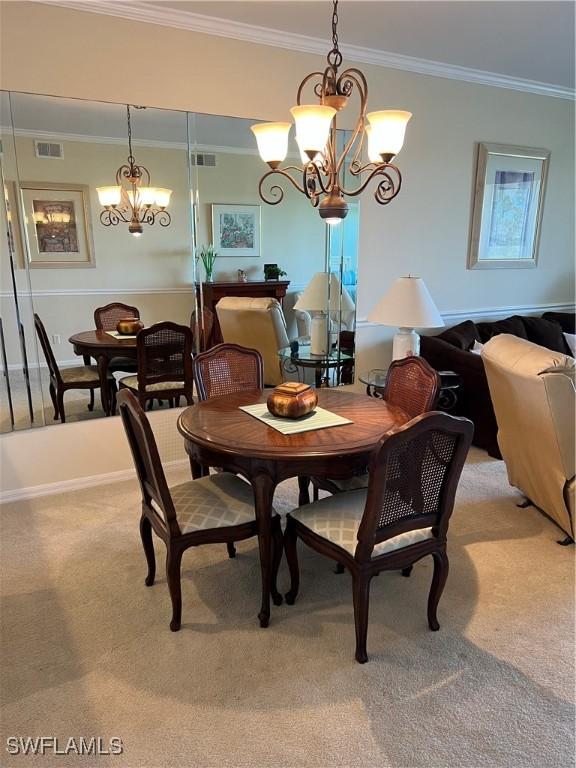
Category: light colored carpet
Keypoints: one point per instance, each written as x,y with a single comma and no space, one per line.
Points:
87,650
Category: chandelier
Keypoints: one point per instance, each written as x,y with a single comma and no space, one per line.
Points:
132,200
323,169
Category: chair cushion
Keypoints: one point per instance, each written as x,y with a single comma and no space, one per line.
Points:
351,483
83,374
218,501
512,325
132,383
338,518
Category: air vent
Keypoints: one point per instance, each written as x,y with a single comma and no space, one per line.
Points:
50,150
204,159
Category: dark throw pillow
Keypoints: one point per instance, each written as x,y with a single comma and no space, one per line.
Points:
513,325
567,320
546,333
462,335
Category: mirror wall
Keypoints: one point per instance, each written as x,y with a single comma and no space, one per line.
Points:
60,260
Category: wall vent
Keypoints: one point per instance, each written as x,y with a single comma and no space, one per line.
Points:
51,150
204,159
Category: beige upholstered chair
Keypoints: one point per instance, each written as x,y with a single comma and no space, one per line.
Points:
534,397
256,324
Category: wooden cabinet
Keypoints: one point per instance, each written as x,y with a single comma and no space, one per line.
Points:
213,292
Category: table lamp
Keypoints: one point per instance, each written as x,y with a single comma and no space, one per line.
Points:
323,286
407,305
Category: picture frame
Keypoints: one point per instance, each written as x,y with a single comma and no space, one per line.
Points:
236,230
509,191
14,231
58,225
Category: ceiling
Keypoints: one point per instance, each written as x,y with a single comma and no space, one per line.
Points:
531,40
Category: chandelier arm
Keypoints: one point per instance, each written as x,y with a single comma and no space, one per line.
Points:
112,216
312,174
384,187
307,80
276,190
151,215
355,77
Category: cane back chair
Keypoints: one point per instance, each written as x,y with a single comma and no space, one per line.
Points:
227,368
412,385
402,517
214,509
61,380
106,319
164,353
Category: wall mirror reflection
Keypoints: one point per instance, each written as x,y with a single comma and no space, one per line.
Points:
151,216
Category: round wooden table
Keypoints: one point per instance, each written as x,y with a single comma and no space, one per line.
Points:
102,347
218,434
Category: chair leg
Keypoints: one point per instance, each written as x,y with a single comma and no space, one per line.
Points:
278,544
91,403
146,536
438,581
407,571
54,401
291,549
231,549
60,400
173,560
361,596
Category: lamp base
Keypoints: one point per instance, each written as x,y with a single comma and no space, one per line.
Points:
319,335
406,344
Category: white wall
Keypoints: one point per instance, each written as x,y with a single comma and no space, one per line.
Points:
424,231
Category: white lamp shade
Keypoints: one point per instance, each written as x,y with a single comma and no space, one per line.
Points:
387,129
272,140
316,293
407,304
162,197
312,126
317,160
373,155
109,195
144,195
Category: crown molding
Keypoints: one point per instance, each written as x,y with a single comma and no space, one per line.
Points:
209,25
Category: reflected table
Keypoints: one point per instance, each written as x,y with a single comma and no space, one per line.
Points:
298,356
450,384
103,347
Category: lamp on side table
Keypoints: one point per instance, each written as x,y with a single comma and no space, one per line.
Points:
406,305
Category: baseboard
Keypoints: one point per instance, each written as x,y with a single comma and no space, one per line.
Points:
77,484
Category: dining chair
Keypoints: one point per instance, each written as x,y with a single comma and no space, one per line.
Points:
227,368
106,319
412,385
400,518
164,354
61,380
214,509
201,328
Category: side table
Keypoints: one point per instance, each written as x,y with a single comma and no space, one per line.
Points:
450,384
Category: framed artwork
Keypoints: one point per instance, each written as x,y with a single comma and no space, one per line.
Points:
14,224
507,210
236,230
58,226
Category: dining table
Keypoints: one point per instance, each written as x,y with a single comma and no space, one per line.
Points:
218,434
103,347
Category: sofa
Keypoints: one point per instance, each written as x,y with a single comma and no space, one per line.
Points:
458,349
534,396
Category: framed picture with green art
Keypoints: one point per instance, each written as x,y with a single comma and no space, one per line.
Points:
236,230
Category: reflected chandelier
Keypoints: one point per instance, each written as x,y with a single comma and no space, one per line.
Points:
54,218
132,200
323,168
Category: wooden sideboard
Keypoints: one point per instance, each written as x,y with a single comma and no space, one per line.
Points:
213,292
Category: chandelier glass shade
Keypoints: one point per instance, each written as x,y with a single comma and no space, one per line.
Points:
373,143
132,200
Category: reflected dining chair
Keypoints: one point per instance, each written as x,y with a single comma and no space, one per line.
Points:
61,380
412,385
400,518
214,509
164,354
106,319
202,329
227,368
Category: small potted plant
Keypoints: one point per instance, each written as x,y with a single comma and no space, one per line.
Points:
207,256
273,272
